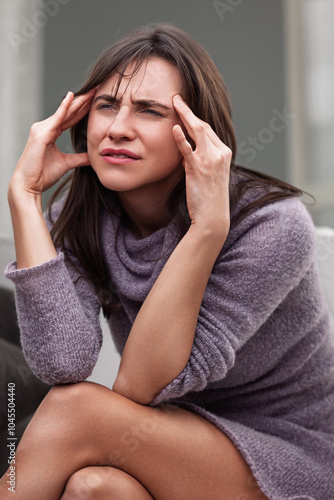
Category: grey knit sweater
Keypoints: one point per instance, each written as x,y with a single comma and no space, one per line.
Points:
262,364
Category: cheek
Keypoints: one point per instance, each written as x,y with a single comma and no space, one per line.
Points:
169,154
92,134
173,148
162,140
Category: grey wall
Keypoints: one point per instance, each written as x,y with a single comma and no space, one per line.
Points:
244,37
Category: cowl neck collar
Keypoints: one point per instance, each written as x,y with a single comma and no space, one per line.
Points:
134,264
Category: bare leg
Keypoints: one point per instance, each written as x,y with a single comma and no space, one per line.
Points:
175,454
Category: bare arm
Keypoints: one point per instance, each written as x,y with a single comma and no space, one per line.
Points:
161,338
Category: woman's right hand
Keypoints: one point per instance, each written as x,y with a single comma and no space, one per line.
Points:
42,164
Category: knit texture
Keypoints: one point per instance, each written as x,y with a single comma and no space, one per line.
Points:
262,363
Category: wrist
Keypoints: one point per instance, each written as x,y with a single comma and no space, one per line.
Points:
19,197
206,241
213,232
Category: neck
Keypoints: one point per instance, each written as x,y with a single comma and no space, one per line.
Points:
143,219
147,208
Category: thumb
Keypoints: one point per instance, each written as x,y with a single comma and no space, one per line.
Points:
181,141
74,160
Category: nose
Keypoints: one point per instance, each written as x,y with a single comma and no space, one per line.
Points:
121,126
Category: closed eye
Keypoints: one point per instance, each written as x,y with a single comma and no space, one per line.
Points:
152,112
105,106
144,109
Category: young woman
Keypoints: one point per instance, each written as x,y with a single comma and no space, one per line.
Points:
207,273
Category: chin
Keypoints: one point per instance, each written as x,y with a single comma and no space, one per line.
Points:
117,184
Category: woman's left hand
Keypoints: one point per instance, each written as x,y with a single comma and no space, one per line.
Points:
207,169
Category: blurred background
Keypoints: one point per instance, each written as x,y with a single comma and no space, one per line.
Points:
276,57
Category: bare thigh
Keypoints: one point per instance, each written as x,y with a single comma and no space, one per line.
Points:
173,453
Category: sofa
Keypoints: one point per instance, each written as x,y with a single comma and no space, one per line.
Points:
29,391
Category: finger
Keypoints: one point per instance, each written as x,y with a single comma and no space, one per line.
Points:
62,110
211,134
78,103
195,127
70,106
182,143
215,140
76,117
81,100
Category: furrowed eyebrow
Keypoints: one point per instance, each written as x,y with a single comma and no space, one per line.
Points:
139,102
105,97
147,103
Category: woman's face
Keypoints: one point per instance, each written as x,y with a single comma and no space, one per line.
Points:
130,142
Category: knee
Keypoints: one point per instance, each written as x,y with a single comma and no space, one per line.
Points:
69,394
60,410
73,411
70,400
92,483
84,484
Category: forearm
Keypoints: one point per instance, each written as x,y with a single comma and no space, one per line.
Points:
160,341
33,243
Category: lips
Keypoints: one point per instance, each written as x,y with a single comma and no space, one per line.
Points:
119,153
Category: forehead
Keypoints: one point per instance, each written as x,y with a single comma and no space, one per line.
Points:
155,78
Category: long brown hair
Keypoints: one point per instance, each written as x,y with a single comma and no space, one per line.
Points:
205,93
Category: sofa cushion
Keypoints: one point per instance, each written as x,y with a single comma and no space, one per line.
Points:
29,390
9,329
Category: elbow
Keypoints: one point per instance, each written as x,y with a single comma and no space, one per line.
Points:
62,373
59,367
138,394
54,377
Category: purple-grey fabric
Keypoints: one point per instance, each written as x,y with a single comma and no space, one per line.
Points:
262,363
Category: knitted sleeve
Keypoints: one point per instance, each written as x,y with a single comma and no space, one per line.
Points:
58,314
263,259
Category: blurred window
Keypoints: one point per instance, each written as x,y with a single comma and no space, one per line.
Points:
310,85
